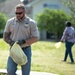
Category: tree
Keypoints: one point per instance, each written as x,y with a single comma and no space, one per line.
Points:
52,20
71,5
3,20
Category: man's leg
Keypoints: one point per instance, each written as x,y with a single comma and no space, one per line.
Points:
66,55
11,66
70,51
27,66
66,51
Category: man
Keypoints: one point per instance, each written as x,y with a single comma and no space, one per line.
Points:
24,30
68,38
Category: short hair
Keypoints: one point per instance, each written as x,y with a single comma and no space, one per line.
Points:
20,6
68,24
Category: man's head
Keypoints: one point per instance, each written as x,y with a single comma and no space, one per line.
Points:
68,24
20,12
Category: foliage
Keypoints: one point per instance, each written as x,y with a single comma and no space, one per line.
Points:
71,5
52,20
3,20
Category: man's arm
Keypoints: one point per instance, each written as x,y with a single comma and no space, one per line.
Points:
31,40
6,37
64,35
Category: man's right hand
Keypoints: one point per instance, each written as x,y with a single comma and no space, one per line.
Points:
61,41
12,42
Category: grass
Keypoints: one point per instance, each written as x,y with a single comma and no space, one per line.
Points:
45,58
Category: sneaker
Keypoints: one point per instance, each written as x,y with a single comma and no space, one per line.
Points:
63,60
71,63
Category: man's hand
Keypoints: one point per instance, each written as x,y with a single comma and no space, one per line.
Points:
61,41
12,42
21,42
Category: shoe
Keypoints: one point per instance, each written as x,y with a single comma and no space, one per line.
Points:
63,60
71,63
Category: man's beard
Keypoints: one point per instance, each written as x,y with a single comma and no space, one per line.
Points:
21,18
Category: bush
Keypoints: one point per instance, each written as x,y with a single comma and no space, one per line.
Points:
3,20
52,21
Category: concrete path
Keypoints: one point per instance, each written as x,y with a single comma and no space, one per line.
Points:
31,73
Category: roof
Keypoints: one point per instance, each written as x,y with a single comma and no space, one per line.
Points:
30,4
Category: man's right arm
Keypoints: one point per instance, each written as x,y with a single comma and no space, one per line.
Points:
6,37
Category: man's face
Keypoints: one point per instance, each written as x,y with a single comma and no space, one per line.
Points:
20,14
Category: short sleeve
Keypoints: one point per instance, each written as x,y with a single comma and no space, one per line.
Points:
34,30
7,28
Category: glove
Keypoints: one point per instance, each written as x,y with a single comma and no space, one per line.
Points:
21,42
12,42
61,41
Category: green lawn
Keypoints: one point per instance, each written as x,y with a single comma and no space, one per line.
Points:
45,58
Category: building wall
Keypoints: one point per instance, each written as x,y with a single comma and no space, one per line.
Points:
52,4
8,7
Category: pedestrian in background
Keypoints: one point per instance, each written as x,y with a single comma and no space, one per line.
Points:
68,38
24,30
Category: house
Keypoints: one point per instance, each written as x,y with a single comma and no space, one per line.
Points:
37,6
8,7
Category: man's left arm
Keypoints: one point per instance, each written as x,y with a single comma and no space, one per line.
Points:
31,40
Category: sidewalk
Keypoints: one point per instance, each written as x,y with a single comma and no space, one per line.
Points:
31,73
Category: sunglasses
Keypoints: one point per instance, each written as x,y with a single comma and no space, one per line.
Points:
18,13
